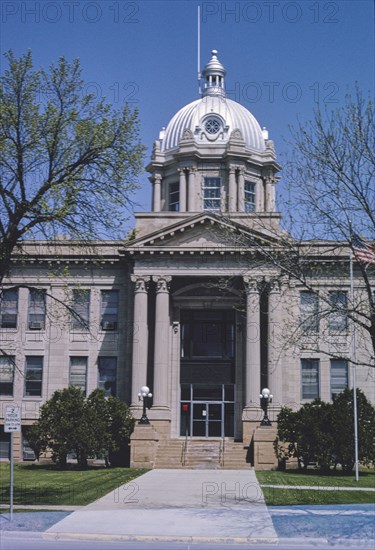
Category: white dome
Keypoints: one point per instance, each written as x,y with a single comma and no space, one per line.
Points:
229,116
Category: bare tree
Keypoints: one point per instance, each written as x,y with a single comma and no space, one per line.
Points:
330,201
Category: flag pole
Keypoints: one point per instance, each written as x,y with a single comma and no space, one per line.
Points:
354,358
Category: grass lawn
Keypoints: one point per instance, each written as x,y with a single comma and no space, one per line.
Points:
41,484
282,496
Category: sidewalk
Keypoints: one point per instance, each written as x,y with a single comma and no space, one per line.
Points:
204,505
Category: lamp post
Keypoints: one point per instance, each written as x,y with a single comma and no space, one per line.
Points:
143,395
265,399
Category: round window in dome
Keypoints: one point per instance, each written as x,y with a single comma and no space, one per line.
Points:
212,126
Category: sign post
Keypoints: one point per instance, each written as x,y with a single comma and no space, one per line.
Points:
12,423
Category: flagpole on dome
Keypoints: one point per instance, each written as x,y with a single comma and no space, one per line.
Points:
199,50
353,355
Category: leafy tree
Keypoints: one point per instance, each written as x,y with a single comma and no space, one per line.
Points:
90,427
68,162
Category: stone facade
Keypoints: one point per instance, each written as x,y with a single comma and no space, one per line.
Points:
190,307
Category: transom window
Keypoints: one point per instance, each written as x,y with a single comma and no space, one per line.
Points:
174,197
212,126
207,334
211,193
249,196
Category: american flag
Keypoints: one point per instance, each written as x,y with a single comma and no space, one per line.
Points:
363,252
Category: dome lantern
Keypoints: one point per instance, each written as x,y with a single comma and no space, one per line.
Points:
213,74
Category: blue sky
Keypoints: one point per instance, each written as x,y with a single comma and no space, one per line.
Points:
280,55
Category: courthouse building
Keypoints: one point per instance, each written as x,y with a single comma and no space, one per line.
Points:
190,306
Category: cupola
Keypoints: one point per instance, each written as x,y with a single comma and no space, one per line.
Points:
213,74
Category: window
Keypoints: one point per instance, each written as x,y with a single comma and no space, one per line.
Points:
211,193
7,366
310,378
33,376
81,306
37,309
174,197
109,309
249,196
309,308
78,373
339,376
212,125
107,367
338,319
8,308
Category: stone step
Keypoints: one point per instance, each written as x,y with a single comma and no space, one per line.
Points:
201,453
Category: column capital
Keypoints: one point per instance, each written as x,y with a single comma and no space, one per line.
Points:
140,282
157,178
162,282
251,283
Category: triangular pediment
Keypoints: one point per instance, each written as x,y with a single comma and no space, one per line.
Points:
205,231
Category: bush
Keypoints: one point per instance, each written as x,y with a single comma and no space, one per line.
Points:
323,433
90,427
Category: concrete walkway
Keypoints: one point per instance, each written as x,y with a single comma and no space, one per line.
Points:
186,505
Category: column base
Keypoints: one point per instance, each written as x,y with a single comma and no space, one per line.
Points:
143,445
264,450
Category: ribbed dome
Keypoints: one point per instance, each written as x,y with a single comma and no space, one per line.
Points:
228,115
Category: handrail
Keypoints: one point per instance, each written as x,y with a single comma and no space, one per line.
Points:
222,452
184,450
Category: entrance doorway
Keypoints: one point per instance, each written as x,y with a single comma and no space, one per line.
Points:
207,373
207,410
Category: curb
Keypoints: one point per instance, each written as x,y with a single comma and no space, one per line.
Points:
160,538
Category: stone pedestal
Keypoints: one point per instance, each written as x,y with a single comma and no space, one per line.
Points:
264,451
143,444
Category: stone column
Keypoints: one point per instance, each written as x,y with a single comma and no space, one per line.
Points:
270,194
260,196
182,190
241,190
157,193
275,343
162,352
252,343
140,337
232,202
191,190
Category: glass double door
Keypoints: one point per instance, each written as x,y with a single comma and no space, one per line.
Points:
207,419
207,410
